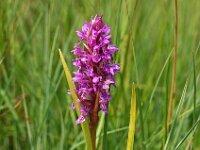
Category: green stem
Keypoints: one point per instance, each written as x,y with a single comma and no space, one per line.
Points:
105,132
194,75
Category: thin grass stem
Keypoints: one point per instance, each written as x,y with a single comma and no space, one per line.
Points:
173,81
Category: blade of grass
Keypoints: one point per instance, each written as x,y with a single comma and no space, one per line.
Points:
117,130
176,115
194,127
77,145
195,87
108,133
48,93
157,81
9,104
105,132
135,63
100,127
156,133
130,140
166,101
182,122
194,93
27,121
84,125
12,109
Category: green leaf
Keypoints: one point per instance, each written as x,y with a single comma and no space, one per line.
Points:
105,132
100,128
85,124
176,115
194,127
130,141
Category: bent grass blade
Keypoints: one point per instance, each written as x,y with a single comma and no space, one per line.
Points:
130,140
84,125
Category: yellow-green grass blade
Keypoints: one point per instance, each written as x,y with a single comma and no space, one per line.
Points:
130,141
84,125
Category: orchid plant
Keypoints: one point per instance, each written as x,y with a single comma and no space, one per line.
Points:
90,86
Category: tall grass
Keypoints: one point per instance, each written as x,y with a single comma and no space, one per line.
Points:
31,74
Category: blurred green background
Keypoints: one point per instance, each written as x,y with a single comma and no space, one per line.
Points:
35,111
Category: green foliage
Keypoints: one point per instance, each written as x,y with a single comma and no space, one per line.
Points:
35,111
85,124
130,140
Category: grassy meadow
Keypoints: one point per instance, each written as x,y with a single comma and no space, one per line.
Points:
35,110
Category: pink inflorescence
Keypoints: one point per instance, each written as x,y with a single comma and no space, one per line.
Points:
95,65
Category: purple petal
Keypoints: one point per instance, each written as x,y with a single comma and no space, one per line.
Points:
106,29
68,92
112,48
109,81
108,57
78,100
73,106
96,79
96,58
106,41
80,34
106,86
114,69
105,96
77,51
78,77
83,111
76,62
104,108
85,27
80,119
